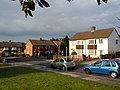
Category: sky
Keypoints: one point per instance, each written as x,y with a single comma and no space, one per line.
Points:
57,21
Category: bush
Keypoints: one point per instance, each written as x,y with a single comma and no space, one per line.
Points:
2,54
74,53
22,54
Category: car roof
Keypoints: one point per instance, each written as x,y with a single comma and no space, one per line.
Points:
108,60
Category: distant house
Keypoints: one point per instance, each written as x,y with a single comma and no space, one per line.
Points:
95,42
39,47
11,47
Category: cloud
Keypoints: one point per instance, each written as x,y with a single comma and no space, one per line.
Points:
61,19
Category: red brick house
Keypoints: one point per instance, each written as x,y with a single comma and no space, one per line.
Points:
39,48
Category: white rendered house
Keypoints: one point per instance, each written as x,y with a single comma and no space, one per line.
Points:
95,42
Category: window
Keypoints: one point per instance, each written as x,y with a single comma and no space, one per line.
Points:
106,63
98,63
79,52
79,42
91,41
116,41
57,60
100,41
113,64
61,60
92,52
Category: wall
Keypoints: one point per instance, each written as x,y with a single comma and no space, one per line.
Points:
29,49
113,47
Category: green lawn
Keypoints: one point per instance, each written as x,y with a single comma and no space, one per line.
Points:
4,64
30,79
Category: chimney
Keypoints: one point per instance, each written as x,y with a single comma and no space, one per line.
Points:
9,40
93,28
40,38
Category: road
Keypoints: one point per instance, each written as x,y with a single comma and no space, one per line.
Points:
77,72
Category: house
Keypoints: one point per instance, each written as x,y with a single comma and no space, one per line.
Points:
95,42
11,47
39,47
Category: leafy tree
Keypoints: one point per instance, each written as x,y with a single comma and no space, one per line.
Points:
29,5
65,43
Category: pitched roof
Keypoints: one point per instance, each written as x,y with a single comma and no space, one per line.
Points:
103,33
57,43
42,42
11,44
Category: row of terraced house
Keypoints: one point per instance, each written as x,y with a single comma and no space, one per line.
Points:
31,48
92,42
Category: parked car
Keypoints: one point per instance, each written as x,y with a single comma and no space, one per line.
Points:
63,63
110,67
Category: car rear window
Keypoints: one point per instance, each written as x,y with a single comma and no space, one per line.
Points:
118,62
68,59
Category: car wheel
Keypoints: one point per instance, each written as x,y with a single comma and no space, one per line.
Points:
113,74
87,71
63,68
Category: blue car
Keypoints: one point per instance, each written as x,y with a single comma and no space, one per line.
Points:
109,66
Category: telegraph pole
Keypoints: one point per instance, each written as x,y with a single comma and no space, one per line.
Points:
66,58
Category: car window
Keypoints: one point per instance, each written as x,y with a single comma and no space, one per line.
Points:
61,60
113,64
118,62
98,63
68,59
106,63
57,60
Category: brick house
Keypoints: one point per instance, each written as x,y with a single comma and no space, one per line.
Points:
11,47
39,47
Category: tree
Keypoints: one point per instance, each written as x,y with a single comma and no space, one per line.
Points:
29,5
65,43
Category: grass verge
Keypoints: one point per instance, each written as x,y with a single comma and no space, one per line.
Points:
18,78
4,64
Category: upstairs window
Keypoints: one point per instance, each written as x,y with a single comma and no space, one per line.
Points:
79,42
91,41
100,41
116,41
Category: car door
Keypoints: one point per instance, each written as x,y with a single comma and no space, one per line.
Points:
106,67
61,63
96,68
56,63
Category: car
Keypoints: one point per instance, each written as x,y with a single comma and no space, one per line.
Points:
63,63
104,66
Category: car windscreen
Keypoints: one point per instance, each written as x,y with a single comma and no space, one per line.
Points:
68,59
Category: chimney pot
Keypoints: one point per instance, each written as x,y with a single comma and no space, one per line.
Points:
40,38
93,28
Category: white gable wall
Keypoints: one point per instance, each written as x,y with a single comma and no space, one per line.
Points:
113,47
72,46
102,47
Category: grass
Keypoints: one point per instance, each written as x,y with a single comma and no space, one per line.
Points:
4,64
18,78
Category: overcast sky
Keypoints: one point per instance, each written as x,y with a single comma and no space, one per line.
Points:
61,19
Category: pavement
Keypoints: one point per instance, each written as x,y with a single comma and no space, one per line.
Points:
105,79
